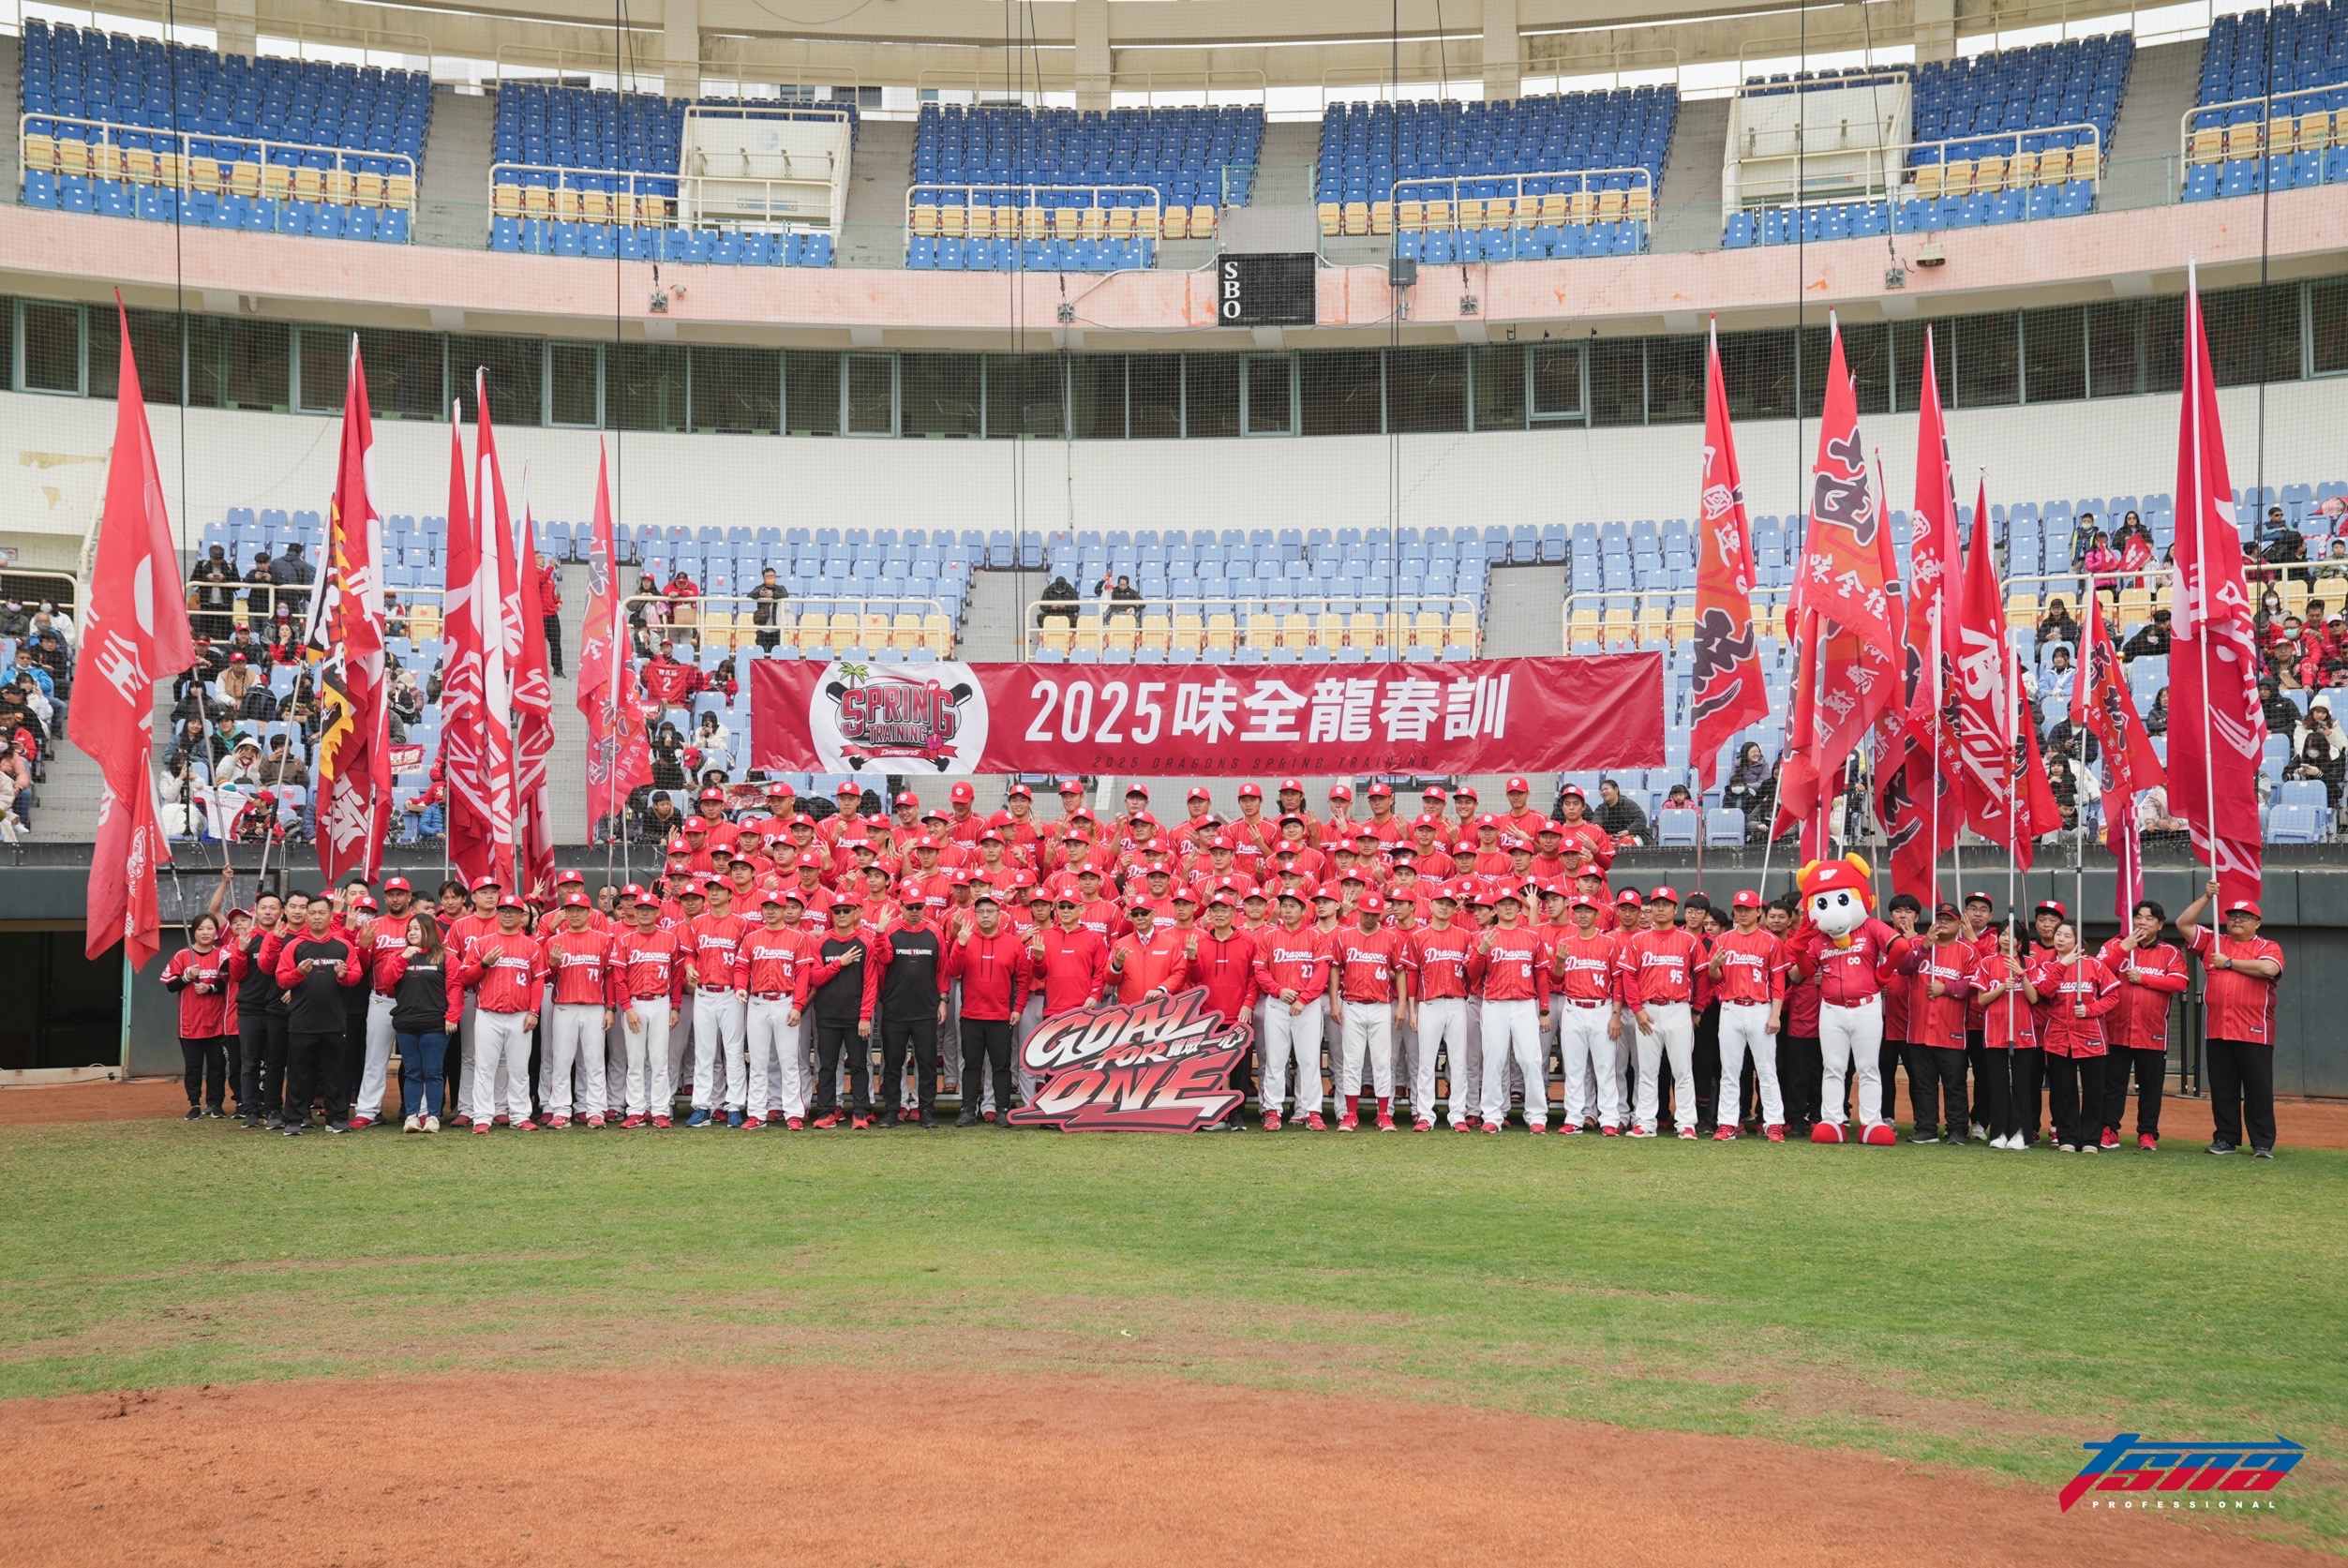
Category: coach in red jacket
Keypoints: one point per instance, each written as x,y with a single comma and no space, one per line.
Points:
2151,973
994,972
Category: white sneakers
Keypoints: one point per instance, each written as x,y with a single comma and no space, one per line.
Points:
431,1124
413,1123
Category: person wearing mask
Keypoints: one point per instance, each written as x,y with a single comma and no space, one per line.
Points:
2149,641
1373,988
2074,990
2150,972
423,1013
293,572
1510,970
910,960
579,957
315,966
1062,596
649,986
992,967
1294,961
506,971
1937,1017
2241,972
2011,1054
200,976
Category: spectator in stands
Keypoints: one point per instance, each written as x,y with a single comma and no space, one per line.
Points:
550,609
669,680
33,673
2083,533
2134,544
284,764
1624,819
1059,591
243,763
2103,563
2056,625
711,736
15,621
1747,777
722,680
285,643
235,682
2157,716
55,655
394,625
259,823
405,701
2151,640
49,617
20,724
2055,690
293,572
647,611
684,598
1126,593
668,758
765,612
16,792
2335,561
215,602
2283,714
2279,543
2319,752
661,820
1679,799
2153,822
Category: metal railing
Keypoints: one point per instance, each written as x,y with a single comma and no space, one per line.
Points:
1891,172
1265,620
1434,202
1031,214
2224,141
30,587
258,168
873,622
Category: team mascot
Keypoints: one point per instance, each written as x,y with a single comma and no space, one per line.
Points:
1849,950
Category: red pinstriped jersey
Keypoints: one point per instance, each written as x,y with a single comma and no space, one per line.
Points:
580,961
1374,966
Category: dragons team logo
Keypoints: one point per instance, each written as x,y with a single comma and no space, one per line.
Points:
931,716
1141,1066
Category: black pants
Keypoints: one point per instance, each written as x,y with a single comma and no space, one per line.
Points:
352,1059
2074,1085
307,1075
2242,1087
260,1066
835,1043
918,1030
553,624
1890,1055
2012,1079
2151,1071
986,1047
1935,1078
1706,1066
1802,1077
1976,1058
207,1061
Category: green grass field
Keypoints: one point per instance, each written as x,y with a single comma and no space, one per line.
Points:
1981,1311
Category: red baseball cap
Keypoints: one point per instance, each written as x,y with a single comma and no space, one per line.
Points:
1371,904
1379,791
962,794
396,885
812,857
510,901
2245,906
1329,890
1201,792
1071,786
1518,786
1465,792
1433,792
910,892
1629,898
1575,791
1747,898
1340,792
849,787
1664,894
1296,784
906,797
560,878
1019,792
849,898
1251,792
576,901
486,881
696,825
1583,901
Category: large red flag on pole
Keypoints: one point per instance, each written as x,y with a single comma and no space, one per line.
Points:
533,715
497,611
346,647
1922,803
1728,692
1984,696
2216,731
619,756
134,631
476,810
2099,699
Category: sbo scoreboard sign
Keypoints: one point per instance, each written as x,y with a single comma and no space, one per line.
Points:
1266,291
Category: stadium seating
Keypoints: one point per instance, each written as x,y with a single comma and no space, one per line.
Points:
581,172
1003,189
1570,175
2280,131
1999,138
133,127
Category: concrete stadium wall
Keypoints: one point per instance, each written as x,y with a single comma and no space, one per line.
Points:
53,450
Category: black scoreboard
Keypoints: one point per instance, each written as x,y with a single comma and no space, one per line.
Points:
1266,291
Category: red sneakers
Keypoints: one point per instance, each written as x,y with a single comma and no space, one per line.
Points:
860,1123
828,1121
2147,1143
660,1121
632,1122
794,1123
482,1127
460,1119
2111,1138
1495,1124
1422,1125
1385,1121
1774,1133
525,1125
1459,1125
1314,1124
752,1123
360,1124
1688,1133
1609,1130
1349,1123
1569,1130
1724,1134
1538,1128
1271,1121
595,1124
559,1121
986,1115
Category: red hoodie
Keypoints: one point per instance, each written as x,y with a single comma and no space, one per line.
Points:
994,975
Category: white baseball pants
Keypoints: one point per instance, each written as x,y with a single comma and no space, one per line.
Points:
1744,1026
1442,1021
1673,1034
574,1050
717,1026
1467,1070
1587,1051
1368,1027
368,1101
1512,1037
1296,1034
1851,1038
500,1055
651,1077
778,1060
460,1077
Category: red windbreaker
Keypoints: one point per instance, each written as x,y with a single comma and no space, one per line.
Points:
1152,963
1071,966
2141,1021
1225,966
2082,983
994,975
1939,1020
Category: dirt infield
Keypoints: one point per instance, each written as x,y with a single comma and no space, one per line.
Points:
2304,1124
802,1465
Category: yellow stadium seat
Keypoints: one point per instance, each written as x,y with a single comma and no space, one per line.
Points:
1381,217
876,628
1463,629
1157,631
72,155
1222,632
2208,146
1619,625
1440,215
1332,219
1296,631
653,209
566,204
167,168
2022,610
399,190
953,220
1612,204
309,185
594,206
1068,223
1638,204
937,634
1652,620
1123,633
1989,172
2052,167
2294,595
1929,177
1469,212
1682,627
1582,206
2087,163
2315,130
2242,141
1089,633
2135,605
537,202
905,631
1410,216
41,151
139,164
1031,223
924,220
2282,133
625,208
105,161
1189,632
367,189
1093,222
1121,223
1202,222
1056,636
717,627
1430,629
424,620
1368,630
1354,217
1956,177
339,186
813,629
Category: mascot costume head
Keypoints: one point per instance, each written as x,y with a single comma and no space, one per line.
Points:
1838,897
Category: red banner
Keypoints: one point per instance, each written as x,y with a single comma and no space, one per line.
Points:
1727,691
1496,716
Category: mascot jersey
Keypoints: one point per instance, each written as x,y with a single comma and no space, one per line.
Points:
1843,945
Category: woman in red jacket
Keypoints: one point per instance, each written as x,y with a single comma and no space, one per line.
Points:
199,974
2075,992
2150,972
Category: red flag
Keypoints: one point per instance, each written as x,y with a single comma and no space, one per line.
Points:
619,753
1921,805
2216,729
497,604
1985,691
533,715
1728,692
134,632
475,733
2100,700
355,774
1842,561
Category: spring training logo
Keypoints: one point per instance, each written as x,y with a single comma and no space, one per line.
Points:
2129,1465
895,717
1163,1065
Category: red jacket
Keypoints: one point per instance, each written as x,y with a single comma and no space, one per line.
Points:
2141,1021
646,964
203,1015
1226,967
386,939
2008,1019
1298,960
510,983
994,973
1143,964
1939,1020
2238,1006
2068,986
1511,966
549,591
1071,966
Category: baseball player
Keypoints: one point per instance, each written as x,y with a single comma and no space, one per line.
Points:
766,978
1373,989
648,985
1223,960
1441,955
506,970
579,959
718,1024
383,937
1293,963
1659,979
993,967
1585,963
1750,973
1511,971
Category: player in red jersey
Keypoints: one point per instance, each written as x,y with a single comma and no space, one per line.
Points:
2009,1040
1511,972
1292,964
647,983
1585,996
506,970
766,980
1940,992
1373,987
1749,971
2241,972
580,958
2075,992
1659,968
1223,959
1441,952
2150,972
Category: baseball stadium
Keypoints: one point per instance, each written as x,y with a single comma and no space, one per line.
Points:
930,781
